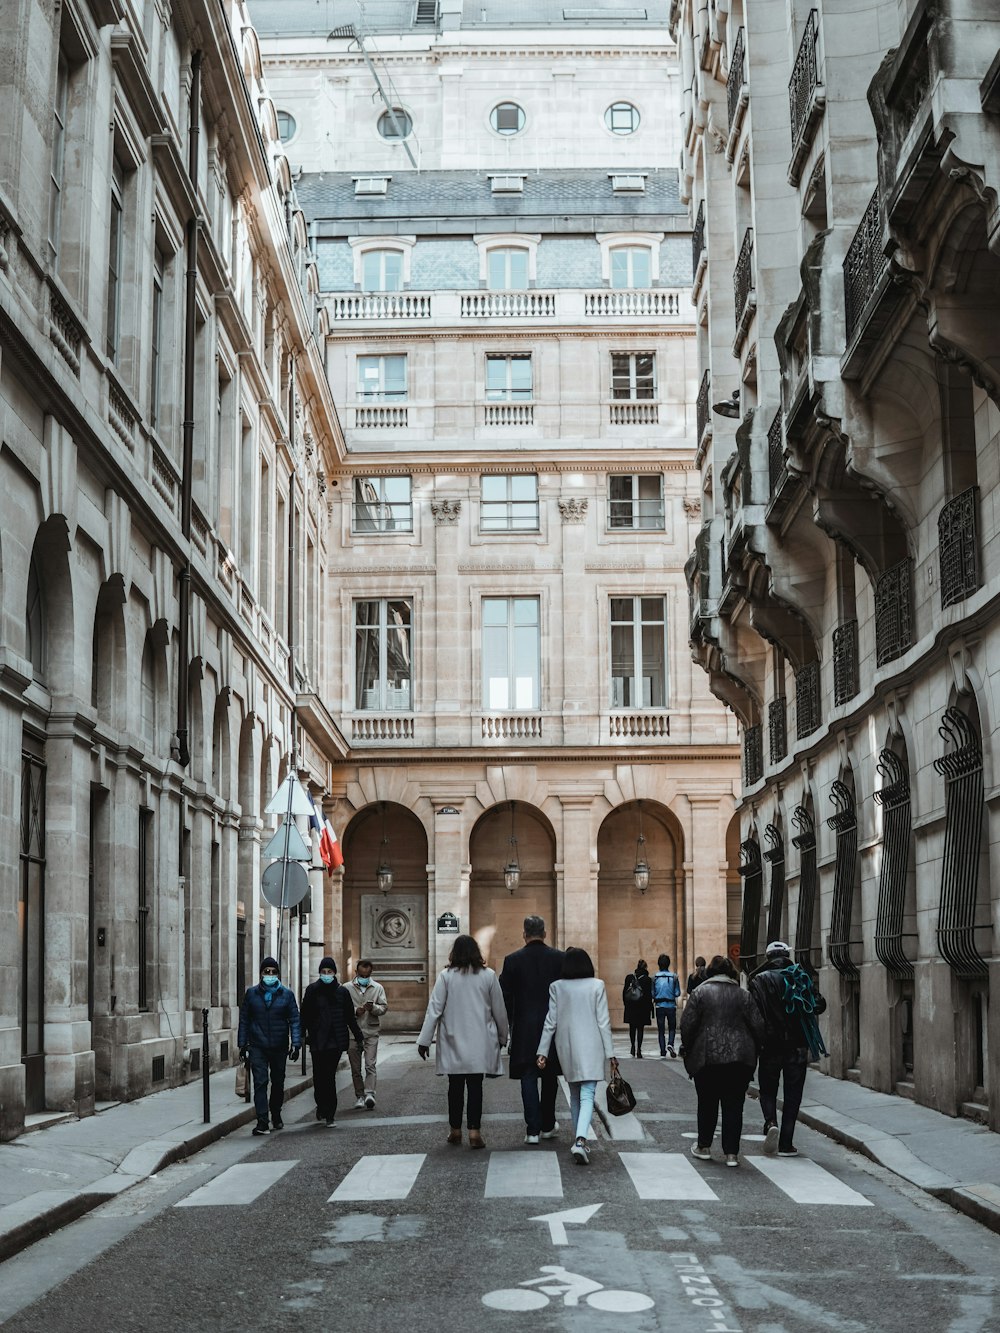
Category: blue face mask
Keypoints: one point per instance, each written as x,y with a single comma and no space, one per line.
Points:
328,977
270,981
364,981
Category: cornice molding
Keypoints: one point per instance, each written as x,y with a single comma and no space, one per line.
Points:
438,60
508,333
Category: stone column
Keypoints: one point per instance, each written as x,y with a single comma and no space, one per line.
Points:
577,631
448,878
579,895
706,896
15,673
448,672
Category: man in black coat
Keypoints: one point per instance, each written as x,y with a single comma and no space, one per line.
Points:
328,1022
525,980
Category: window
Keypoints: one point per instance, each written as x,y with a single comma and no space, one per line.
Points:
156,338
395,124
371,184
633,375
507,183
382,504
508,504
638,652
34,621
508,378
636,502
507,269
621,118
382,271
382,658
286,125
631,266
382,378
57,170
507,118
633,182
116,250
511,644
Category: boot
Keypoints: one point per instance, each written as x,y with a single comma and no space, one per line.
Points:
476,1139
454,1135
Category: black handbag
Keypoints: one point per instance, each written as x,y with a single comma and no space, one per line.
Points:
621,1098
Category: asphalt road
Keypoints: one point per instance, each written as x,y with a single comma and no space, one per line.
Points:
736,1252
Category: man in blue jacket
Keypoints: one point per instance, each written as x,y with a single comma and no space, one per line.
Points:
666,989
269,1023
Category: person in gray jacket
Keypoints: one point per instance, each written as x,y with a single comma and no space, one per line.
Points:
721,1034
370,1004
466,1009
579,1021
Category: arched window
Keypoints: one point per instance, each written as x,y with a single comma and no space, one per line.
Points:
286,125
34,621
382,271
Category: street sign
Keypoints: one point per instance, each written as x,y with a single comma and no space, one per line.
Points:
447,924
295,850
557,1221
292,789
296,883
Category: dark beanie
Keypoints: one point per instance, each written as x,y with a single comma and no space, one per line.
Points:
269,962
327,962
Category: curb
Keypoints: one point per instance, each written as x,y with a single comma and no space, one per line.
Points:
42,1214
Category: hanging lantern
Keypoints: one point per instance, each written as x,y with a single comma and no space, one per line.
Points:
640,872
512,870
383,875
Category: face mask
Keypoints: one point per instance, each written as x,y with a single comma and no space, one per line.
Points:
270,981
327,977
364,981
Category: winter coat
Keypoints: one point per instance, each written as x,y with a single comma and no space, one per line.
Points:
525,981
783,1035
269,1025
468,1012
328,1017
721,1025
372,994
695,979
579,1021
670,990
639,1013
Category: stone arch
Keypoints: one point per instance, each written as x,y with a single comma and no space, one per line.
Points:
109,656
496,915
249,767
51,614
730,946
222,743
154,702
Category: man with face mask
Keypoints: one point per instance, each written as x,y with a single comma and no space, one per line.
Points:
328,1022
269,1023
369,1006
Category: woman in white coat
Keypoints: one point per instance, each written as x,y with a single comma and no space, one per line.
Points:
467,1009
579,1021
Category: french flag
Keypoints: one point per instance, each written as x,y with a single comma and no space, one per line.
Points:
329,847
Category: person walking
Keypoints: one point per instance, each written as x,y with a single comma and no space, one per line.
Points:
696,977
788,1000
269,1034
666,991
524,981
467,1012
329,1022
580,1024
637,996
370,1003
721,1032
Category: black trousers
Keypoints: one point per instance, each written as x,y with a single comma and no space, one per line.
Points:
325,1081
635,1031
792,1071
725,1086
457,1084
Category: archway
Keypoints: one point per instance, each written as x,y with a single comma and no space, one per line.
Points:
496,915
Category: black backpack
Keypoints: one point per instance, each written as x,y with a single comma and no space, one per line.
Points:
633,991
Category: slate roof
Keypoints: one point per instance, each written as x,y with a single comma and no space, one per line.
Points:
289,18
468,194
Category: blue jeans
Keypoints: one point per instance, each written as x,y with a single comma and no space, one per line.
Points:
265,1062
581,1105
666,1017
539,1112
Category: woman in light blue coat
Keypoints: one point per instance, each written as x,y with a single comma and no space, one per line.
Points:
579,1021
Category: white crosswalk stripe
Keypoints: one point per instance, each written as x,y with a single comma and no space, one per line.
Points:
523,1175
807,1182
238,1185
379,1177
666,1175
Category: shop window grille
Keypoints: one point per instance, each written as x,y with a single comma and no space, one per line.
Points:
845,825
159,1072
753,884
894,798
805,841
775,857
962,770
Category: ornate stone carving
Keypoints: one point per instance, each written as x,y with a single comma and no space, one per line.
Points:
446,511
573,511
692,506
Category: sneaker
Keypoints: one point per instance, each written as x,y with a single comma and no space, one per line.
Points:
638,1055
702,1154
329,1122
732,1159
673,1053
359,1105
771,1139
579,1152
551,1133
788,1152
531,1138
261,1127
277,1122
663,1055
369,1101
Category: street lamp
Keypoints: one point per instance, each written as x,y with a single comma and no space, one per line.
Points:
512,870
640,873
729,407
383,875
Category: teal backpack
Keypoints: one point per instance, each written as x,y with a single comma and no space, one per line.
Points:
800,1001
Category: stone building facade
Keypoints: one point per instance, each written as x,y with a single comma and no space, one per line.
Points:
842,166
166,428
511,346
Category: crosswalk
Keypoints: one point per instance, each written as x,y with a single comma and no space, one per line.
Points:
654,1176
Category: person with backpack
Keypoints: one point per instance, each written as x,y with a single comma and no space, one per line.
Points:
666,991
696,977
788,1000
637,997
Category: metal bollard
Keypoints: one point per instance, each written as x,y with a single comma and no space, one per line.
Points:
205,1095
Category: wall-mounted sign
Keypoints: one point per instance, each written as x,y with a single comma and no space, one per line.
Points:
449,810
447,924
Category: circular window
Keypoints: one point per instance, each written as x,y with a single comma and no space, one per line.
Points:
286,125
507,118
622,118
395,124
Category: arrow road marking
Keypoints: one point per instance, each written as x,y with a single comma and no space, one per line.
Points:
557,1221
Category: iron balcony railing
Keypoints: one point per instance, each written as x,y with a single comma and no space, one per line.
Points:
777,728
893,613
807,716
743,283
735,81
703,417
775,452
753,756
864,264
845,662
804,81
698,240
958,547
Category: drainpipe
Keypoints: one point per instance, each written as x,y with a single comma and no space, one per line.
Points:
190,300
